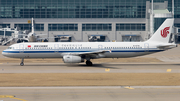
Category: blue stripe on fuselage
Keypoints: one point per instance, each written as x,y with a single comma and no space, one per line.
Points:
79,51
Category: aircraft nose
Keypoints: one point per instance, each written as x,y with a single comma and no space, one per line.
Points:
4,53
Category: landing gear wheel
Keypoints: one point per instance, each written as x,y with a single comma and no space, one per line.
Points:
21,64
89,63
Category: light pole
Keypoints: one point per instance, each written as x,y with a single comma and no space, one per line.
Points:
4,33
152,19
173,8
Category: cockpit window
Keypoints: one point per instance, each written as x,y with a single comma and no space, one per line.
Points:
10,47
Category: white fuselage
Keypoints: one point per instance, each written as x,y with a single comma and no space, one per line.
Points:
76,52
59,49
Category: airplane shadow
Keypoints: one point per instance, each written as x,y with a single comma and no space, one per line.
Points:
93,66
66,65
103,65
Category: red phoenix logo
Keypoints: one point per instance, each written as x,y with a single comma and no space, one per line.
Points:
29,46
165,32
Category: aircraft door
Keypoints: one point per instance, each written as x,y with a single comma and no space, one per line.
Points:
100,47
146,47
21,48
56,48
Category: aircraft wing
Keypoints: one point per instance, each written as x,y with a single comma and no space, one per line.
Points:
92,54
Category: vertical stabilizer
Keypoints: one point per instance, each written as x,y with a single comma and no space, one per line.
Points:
32,25
164,32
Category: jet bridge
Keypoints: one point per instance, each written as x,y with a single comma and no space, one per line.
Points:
10,36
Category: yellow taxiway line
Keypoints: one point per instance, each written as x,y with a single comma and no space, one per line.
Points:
12,97
107,70
128,87
168,70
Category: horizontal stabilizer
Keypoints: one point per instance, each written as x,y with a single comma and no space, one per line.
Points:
167,46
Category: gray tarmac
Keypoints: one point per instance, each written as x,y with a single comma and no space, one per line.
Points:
96,68
89,94
96,93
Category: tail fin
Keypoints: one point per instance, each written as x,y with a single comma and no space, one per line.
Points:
164,31
32,25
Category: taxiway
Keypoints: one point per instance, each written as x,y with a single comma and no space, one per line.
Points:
90,94
161,67
167,66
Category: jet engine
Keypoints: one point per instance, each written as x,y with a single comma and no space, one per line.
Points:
72,59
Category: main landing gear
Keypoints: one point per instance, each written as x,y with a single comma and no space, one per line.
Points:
89,63
22,62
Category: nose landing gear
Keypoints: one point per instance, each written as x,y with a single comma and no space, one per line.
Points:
22,62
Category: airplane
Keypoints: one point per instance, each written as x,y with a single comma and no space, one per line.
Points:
31,37
77,52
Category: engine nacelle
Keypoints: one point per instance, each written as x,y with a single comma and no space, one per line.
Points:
72,59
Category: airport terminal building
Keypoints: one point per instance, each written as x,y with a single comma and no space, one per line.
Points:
89,20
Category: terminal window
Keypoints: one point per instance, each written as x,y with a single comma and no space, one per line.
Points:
73,8
96,27
62,27
79,8
4,25
37,27
177,25
130,27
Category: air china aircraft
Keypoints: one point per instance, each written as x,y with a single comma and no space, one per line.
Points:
76,52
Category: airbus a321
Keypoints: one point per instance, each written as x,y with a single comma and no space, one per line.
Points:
77,52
